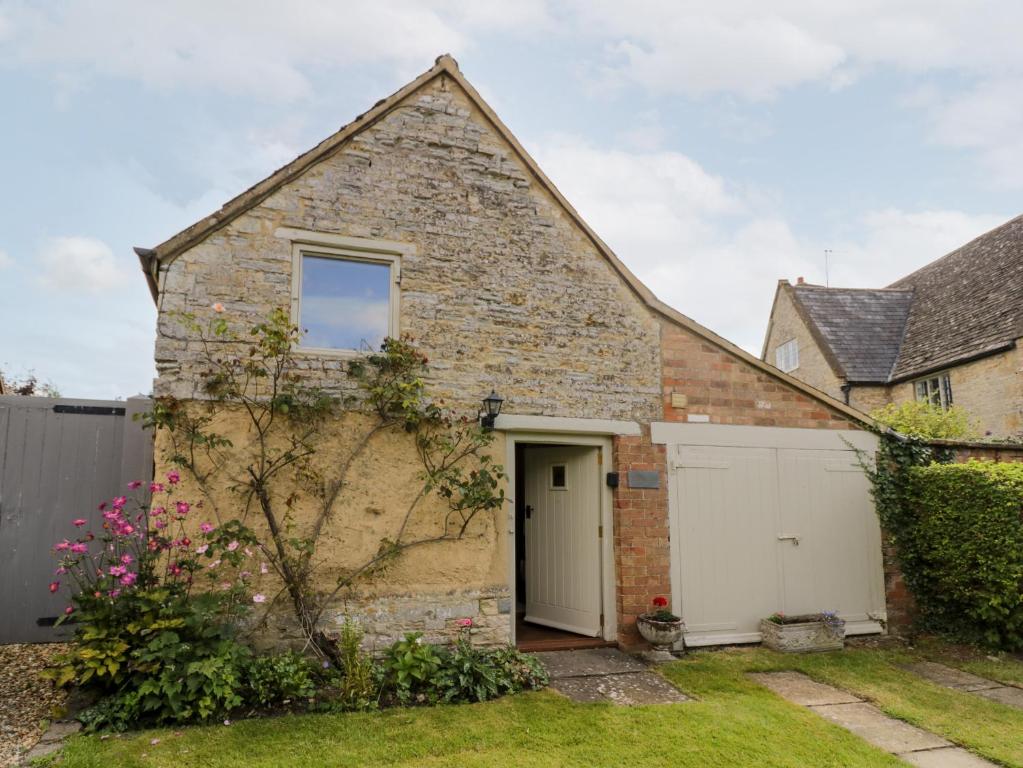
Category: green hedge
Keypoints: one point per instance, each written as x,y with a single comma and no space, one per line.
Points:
961,550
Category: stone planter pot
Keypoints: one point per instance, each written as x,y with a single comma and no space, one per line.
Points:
662,635
803,634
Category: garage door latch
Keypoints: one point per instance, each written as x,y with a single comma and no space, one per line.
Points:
789,537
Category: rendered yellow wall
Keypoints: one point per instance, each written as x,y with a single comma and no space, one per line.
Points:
427,588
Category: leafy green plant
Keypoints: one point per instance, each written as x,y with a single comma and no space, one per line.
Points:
358,689
962,550
409,668
279,679
917,419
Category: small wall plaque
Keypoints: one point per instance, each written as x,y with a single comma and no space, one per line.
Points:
678,400
639,479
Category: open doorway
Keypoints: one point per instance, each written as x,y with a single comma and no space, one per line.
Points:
559,528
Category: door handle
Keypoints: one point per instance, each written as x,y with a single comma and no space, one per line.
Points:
529,512
789,537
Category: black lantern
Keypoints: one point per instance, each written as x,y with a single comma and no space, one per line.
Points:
490,410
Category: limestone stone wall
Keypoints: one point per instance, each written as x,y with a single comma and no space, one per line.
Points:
991,389
503,292
869,398
814,368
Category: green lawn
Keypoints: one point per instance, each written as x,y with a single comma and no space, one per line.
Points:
734,723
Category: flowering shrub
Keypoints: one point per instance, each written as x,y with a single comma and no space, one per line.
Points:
154,610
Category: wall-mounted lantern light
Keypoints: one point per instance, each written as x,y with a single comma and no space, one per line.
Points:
490,410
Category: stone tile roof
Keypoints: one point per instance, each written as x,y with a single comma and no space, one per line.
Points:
862,327
965,304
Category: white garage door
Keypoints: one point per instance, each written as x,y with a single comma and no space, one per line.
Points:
766,519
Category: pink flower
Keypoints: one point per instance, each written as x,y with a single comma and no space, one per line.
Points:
248,552
129,578
232,546
160,524
244,575
119,502
62,546
54,586
68,610
102,506
218,307
201,550
225,585
60,571
206,528
118,570
127,559
134,484
78,522
465,623
79,548
173,477
263,568
115,593
259,598
174,569
214,564
157,511
156,487
182,507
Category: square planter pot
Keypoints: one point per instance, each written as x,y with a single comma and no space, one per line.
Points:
802,634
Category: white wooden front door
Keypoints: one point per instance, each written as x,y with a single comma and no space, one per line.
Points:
759,528
562,538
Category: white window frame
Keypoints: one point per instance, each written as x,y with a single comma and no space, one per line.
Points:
784,351
935,389
325,245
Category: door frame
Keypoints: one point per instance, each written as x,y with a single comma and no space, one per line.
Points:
600,437
673,434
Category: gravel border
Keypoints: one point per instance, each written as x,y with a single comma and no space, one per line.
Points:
26,701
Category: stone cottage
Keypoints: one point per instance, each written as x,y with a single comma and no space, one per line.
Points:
645,454
945,334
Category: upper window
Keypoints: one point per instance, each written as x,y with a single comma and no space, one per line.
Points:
345,300
936,390
786,356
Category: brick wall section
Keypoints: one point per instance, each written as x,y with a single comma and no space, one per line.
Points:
731,391
643,559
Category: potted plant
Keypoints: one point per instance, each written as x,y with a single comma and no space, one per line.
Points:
660,627
824,631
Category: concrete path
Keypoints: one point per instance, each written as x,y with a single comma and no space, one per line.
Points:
911,744
607,674
956,679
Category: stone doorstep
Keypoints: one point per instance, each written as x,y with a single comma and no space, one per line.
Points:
909,743
607,675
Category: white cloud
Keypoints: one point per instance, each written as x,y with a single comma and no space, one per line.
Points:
257,47
79,264
715,250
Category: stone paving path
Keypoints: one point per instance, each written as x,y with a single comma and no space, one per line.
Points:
607,674
956,679
911,744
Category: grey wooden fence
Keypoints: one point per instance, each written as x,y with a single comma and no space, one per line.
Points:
59,458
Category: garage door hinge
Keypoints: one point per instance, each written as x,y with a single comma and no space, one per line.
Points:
601,619
600,531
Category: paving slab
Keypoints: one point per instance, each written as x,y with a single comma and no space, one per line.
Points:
589,662
630,689
950,677
800,689
871,724
1004,694
947,757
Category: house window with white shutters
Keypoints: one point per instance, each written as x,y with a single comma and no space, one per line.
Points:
936,390
786,356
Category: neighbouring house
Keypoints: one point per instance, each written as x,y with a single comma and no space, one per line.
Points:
946,334
646,455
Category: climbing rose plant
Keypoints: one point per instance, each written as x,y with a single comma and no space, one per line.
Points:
274,469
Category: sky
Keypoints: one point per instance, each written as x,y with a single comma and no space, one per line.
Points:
716,147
